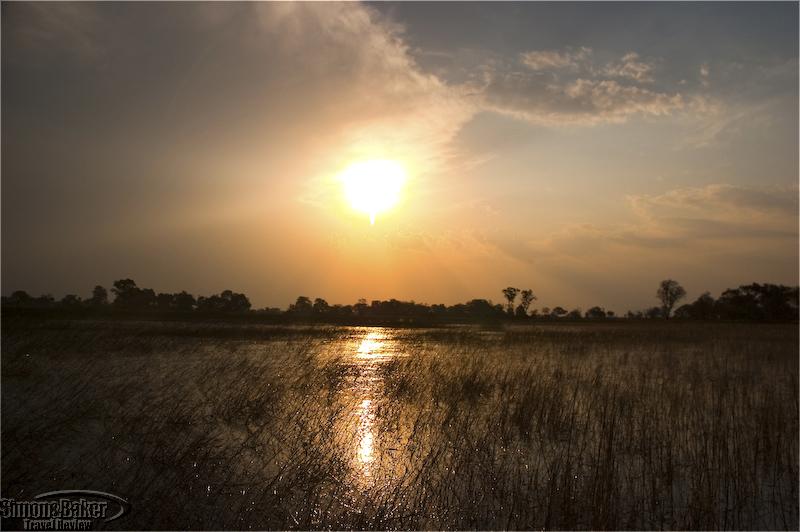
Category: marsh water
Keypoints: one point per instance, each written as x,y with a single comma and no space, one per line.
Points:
579,426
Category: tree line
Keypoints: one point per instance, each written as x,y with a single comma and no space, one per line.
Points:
753,302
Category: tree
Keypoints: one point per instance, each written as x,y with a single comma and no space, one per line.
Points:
235,302
44,301
183,301
558,312
71,301
129,296
20,298
669,292
479,308
574,314
164,301
703,308
596,313
526,298
99,297
653,313
510,294
124,292
227,301
301,306
320,306
758,302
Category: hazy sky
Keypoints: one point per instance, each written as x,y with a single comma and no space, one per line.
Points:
584,150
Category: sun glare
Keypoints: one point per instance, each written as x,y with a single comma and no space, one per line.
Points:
373,186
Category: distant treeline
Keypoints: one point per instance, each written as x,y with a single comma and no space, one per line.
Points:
754,302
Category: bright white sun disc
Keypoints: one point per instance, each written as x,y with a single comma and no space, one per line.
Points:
373,186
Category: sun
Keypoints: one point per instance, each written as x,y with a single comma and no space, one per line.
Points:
373,186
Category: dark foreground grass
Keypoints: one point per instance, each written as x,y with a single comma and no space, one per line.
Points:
601,426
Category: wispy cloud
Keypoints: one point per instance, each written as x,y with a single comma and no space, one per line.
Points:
556,59
678,220
572,86
722,203
630,66
580,101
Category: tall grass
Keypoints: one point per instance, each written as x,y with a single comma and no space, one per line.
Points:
630,426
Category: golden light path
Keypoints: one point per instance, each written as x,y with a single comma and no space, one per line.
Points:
373,186
372,351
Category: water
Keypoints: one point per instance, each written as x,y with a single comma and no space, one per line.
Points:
369,351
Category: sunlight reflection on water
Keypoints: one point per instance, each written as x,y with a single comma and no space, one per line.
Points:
374,346
365,443
373,349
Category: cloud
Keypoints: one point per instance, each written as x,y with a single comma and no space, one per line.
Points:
719,202
572,87
577,102
630,67
704,75
691,221
554,59
383,101
710,238
293,91
360,91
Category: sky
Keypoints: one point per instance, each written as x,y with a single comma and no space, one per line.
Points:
586,151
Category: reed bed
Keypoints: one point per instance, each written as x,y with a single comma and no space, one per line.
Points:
583,426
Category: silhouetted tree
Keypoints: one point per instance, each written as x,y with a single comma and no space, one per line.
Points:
20,298
777,302
71,301
164,301
360,308
44,301
184,301
227,301
301,306
758,302
669,292
475,308
124,291
574,314
653,313
269,311
747,302
526,298
341,311
129,296
510,294
703,308
99,297
320,306
235,302
595,313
